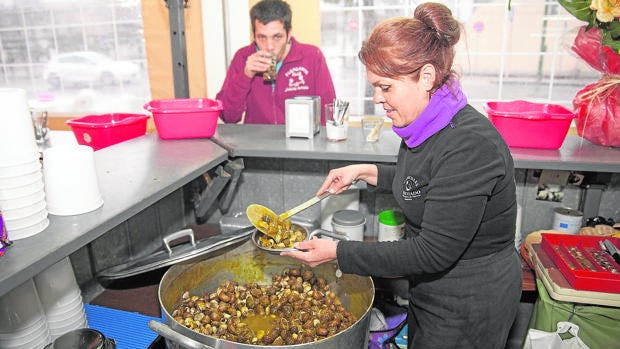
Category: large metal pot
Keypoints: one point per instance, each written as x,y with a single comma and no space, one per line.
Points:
247,264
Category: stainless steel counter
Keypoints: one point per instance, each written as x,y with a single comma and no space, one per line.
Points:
576,154
132,176
270,141
136,174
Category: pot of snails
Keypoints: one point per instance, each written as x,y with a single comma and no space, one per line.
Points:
229,276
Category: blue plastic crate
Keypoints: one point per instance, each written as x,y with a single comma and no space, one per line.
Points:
129,330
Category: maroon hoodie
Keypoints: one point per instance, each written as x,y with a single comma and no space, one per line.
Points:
303,72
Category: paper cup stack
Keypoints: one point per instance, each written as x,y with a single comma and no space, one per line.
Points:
61,299
23,324
22,196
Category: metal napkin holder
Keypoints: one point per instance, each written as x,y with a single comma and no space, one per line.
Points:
303,116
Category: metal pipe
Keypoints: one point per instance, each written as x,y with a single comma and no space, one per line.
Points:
179,49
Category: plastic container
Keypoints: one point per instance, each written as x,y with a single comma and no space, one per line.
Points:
100,131
349,223
20,310
185,117
579,258
567,220
526,124
70,176
391,225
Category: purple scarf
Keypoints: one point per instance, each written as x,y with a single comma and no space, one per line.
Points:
437,115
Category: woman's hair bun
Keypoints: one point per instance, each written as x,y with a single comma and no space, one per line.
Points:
438,19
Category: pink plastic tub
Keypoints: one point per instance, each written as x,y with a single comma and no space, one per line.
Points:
526,124
100,131
185,117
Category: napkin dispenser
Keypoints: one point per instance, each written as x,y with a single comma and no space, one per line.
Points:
303,116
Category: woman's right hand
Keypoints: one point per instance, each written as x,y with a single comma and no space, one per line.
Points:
340,179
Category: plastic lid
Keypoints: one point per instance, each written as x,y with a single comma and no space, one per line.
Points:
348,218
391,217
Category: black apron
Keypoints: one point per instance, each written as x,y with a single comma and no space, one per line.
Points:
471,306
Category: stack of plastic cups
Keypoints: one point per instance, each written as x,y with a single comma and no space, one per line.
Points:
22,195
61,299
23,324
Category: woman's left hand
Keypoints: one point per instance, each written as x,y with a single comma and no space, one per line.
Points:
313,252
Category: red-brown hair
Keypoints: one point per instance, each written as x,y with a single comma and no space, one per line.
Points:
400,46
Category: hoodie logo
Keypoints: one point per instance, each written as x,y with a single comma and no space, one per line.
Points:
296,78
410,188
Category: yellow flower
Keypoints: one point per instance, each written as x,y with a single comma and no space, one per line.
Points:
606,10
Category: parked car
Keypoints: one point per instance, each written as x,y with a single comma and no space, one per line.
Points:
88,68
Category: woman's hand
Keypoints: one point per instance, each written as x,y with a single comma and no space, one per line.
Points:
314,252
340,179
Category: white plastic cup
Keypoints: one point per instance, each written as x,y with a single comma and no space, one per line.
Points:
17,141
567,220
391,225
70,178
22,233
58,288
349,223
20,309
11,171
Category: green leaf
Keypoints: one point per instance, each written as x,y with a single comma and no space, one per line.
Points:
579,8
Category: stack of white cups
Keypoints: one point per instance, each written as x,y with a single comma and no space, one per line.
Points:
61,298
22,196
23,324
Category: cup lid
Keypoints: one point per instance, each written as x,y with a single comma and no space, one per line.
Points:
348,218
391,217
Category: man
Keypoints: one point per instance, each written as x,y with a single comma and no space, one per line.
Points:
301,70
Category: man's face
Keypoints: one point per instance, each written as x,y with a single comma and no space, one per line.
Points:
271,37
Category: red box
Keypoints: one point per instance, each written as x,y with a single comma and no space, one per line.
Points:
100,131
185,117
526,124
576,257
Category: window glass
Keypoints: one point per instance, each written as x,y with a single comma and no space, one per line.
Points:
504,54
75,57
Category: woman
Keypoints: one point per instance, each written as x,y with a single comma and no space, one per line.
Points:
454,181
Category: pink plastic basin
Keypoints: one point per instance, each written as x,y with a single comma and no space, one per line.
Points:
185,117
526,124
100,131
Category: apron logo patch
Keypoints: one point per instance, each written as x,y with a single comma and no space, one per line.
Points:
410,188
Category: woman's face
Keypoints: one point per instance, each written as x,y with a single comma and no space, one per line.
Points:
403,99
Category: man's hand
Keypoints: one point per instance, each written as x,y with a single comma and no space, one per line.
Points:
256,63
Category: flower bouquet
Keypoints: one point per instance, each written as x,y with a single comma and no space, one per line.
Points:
598,43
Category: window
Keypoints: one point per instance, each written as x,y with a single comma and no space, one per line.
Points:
75,57
521,53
